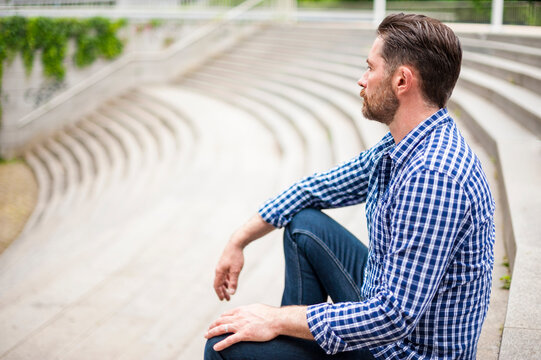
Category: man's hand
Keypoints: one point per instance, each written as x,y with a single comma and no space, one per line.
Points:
232,259
228,271
259,323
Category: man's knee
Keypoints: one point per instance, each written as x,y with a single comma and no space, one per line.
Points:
303,219
210,353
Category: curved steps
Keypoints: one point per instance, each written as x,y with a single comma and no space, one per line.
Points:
158,176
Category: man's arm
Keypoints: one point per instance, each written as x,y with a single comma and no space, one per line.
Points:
341,186
429,218
259,323
232,259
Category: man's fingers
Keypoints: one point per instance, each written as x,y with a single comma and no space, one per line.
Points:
228,341
220,285
232,281
222,320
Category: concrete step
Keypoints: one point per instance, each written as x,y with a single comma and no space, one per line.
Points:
530,37
144,157
181,130
339,128
164,138
517,152
317,142
132,147
526,76
57,184
109,187
289,142
44,185
352,46
333,62
329,83
100,156
519,103
70,201
519,53
272,50
87,171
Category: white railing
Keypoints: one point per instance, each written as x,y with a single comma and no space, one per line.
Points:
141,9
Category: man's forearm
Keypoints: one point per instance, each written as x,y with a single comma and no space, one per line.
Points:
252,230
291,321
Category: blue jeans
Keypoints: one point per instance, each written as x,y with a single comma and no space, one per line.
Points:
322,259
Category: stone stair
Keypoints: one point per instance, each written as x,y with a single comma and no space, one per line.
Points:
496,98
138,198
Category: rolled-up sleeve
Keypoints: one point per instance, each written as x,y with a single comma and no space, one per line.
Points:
343,185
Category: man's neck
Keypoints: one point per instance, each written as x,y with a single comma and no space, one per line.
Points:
407,118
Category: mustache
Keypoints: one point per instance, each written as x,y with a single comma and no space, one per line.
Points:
363,93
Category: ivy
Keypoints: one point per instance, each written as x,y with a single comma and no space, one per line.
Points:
94,38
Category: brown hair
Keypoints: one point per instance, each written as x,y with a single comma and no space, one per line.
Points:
429,46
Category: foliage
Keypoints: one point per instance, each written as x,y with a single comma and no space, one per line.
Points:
94,38
506,282
10,161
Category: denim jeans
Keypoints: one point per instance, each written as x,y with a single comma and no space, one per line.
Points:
323,260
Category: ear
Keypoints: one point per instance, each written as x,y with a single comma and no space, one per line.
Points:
404,79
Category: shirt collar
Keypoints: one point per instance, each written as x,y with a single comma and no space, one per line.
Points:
401,150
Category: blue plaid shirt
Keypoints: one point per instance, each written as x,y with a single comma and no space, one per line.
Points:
430,221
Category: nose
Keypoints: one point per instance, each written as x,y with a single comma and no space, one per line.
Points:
362,81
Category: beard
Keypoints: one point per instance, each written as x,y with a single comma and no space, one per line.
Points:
382,105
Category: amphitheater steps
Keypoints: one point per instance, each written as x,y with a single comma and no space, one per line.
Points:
519,53
516,101
516,151
102,157
57,175
85,165
165,174
143,153
289,141
526,76
317,145
337,127
183,132
330,83
44,184
527,38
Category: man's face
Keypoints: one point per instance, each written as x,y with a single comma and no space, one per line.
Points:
380,103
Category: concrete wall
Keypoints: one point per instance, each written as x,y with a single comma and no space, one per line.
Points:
35,107
23,93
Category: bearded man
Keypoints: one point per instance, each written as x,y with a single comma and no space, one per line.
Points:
421,290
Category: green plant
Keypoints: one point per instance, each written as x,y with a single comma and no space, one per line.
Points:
10,161
94,38
168,41
506,282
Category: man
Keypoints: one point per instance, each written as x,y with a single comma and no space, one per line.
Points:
422,289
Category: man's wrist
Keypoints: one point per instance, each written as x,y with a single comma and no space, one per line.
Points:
291,321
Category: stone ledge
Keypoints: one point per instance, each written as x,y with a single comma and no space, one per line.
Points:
520,344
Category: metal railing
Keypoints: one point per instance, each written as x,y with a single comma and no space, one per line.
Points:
136,9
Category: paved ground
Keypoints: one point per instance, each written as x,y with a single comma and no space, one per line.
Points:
18,195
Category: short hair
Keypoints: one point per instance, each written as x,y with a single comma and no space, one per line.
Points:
428,45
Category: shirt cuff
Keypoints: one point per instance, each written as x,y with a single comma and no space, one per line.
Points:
320,327
270,215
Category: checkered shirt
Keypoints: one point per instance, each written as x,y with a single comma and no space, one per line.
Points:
430,221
